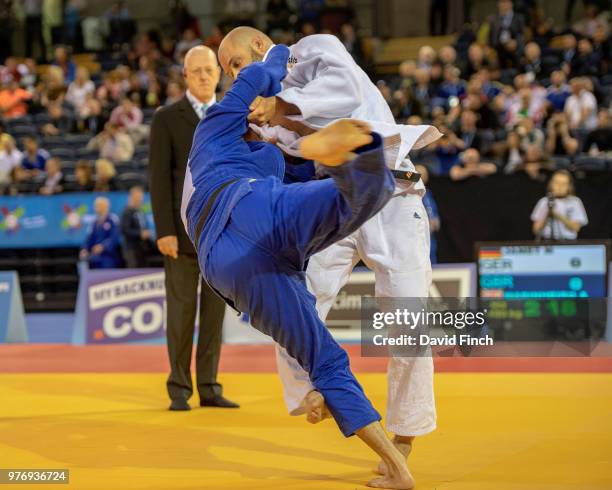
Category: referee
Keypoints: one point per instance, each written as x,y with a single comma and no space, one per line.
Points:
171,134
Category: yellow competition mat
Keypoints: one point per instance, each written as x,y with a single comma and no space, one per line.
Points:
496,432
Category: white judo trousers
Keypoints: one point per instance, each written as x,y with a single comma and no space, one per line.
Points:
326,84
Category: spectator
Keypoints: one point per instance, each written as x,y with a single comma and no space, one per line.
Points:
406,74
436,76
5,138
534,162
34,158
475,61
487,118
80,88
105,176
468,132
586,62
59,123
592,21
54,182
135,230
452,89
447,151
426,57
447,55
599,141
541,27
471,166
533,64
506,34
529,134
432,213
174,92
422,90
128,116
83,175
101,248
13,101
568,52
113,144
405,105
63,61
561,214
513,157
602,45
558,92
581,106
21,182
559,140
91,115
10,157
489,89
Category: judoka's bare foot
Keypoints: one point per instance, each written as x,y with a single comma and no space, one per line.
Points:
332,145
398,475
316,410
403,445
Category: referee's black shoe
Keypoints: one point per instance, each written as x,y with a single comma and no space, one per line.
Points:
179,404
218,401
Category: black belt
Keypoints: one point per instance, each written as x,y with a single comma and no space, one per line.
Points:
406,175
209,204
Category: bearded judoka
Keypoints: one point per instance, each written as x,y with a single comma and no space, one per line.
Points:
253,235
325,84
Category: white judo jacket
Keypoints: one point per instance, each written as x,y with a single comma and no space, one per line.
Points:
326,84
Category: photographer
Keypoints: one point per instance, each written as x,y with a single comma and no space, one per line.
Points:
560,215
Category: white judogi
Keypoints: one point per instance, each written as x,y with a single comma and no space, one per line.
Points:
326,84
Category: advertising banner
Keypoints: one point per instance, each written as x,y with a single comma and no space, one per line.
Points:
120,305
61,220
128,305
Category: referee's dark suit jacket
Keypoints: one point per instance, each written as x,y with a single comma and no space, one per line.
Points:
170,141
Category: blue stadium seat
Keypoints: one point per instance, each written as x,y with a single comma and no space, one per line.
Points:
606,79
16,121
130,179
22,130
42,119
77,141
561,162
62,152
124,167
86,154
587,162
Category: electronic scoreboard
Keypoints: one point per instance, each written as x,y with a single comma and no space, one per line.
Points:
544,291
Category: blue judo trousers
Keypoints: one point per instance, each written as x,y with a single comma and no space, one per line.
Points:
260,232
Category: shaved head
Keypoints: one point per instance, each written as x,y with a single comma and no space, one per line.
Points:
241,47
201,72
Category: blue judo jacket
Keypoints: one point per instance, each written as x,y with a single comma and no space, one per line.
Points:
220,154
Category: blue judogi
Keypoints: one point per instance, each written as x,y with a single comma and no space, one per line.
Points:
107,234
260,232
432,213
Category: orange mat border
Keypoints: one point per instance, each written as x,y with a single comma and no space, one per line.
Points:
43,358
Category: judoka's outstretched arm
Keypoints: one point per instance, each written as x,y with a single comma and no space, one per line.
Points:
226,122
